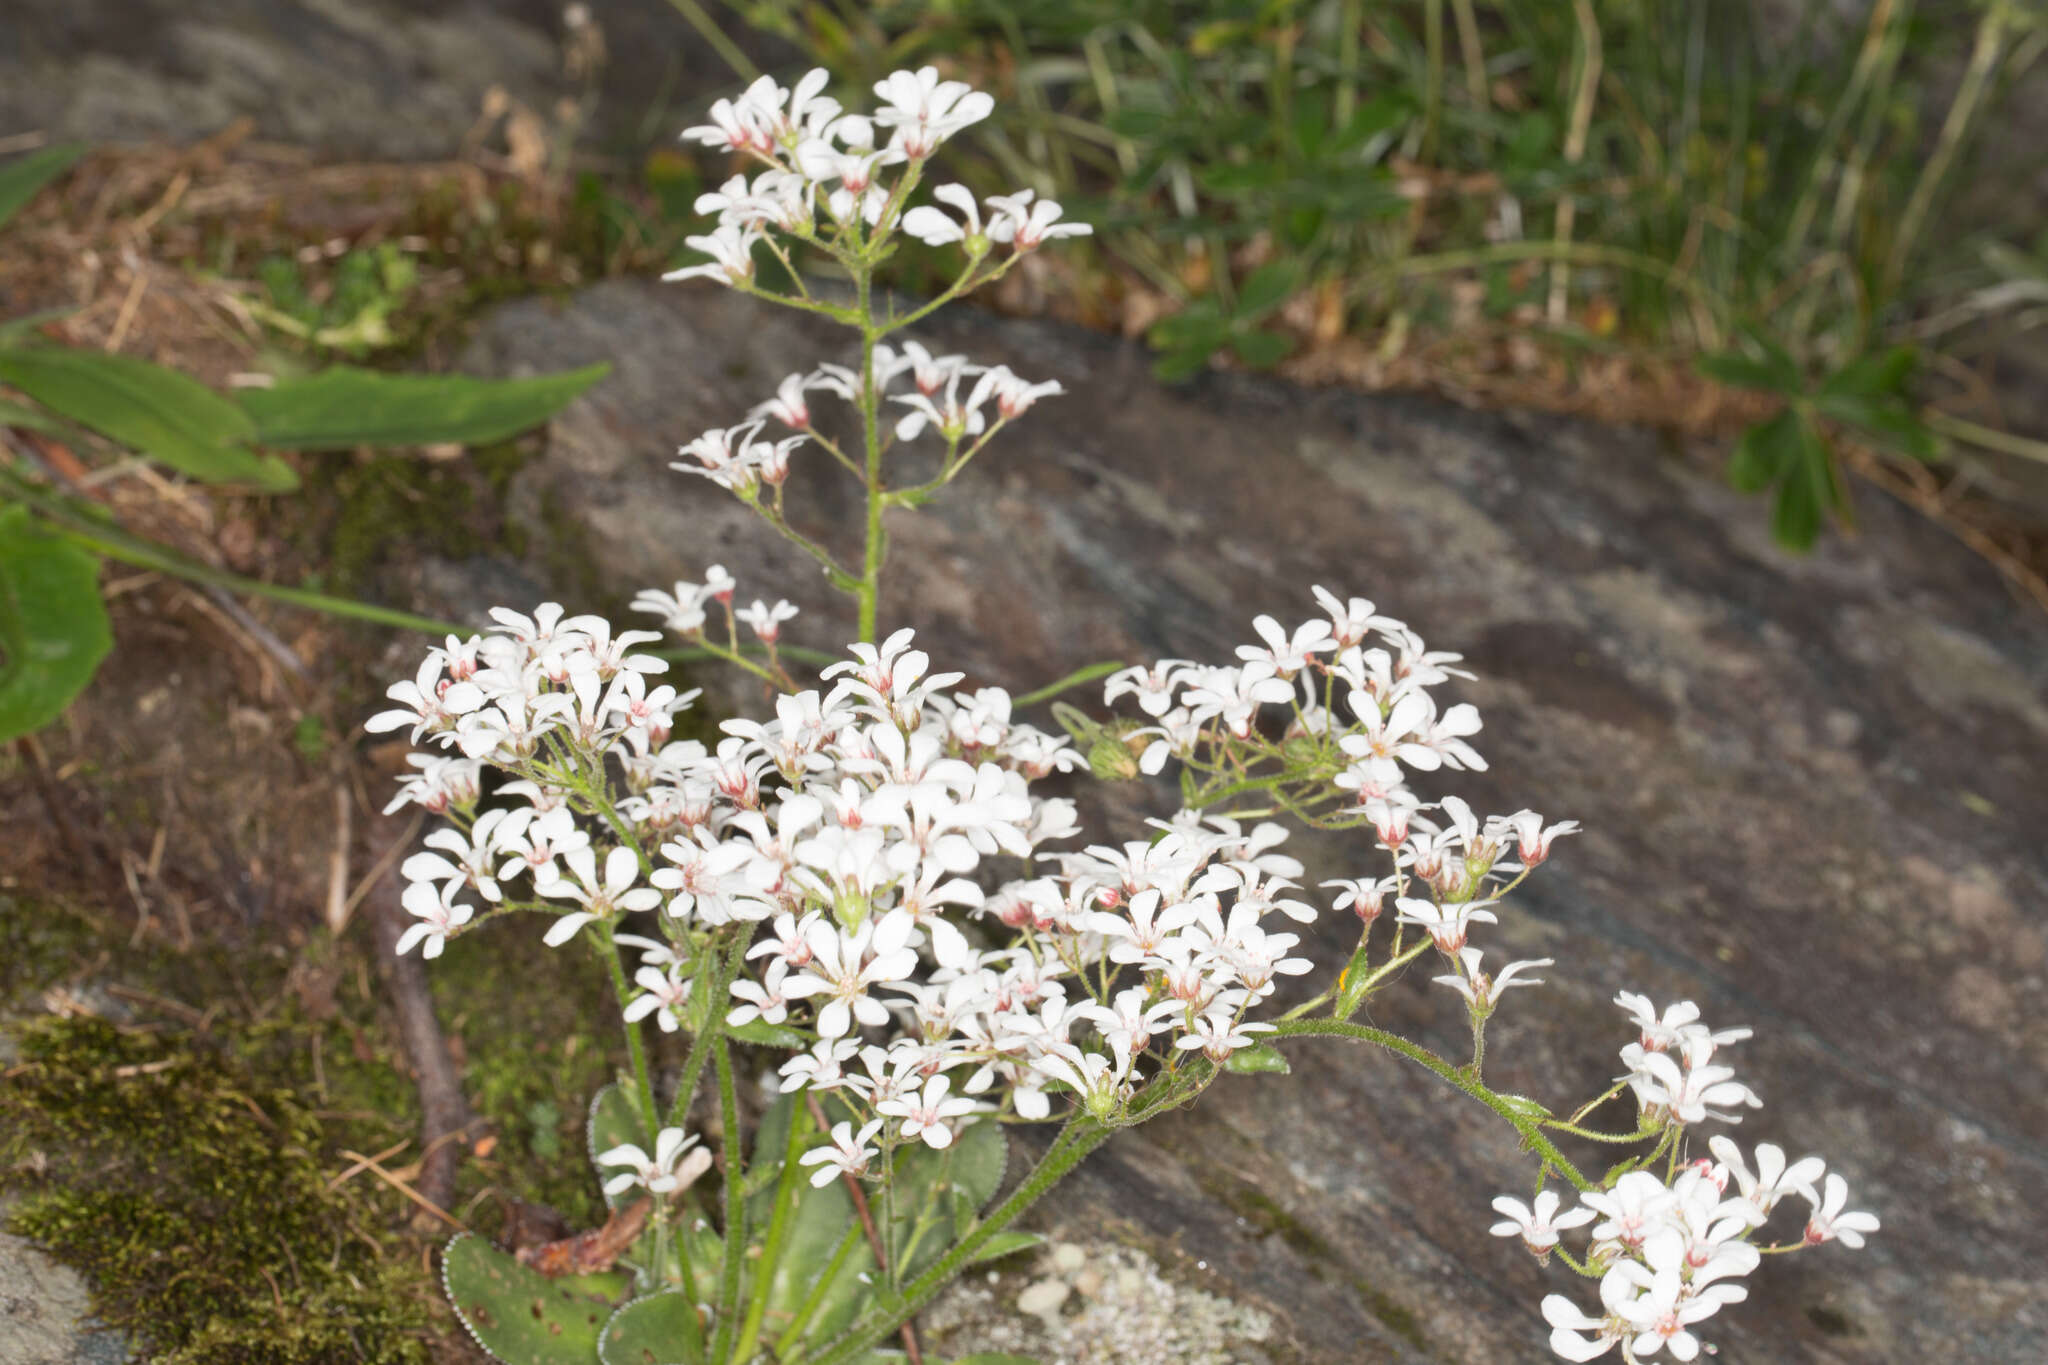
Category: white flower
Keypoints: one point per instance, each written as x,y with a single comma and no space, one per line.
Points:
1537,1227
926,1114
1014,218
1829,1223
731,249
439,915
1283,654
430,701
1687,1088
764,1001
1447,924
934,228
675,1165
846,966
1567,1322
743,125
1015,396
1481,991
1154,686
666,991
925,110
787,406
601,899
848,1153
1772,1180
1533,837
766,621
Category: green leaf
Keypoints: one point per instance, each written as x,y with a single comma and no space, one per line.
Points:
161,413
1740,371
1807,491
21,178
761,1033
1266,289
1200,324
1252,1060
53,626
1883,374
1764,452
341,408
1184,363
1261,350
1229,180
1006,1244
1887,420
1526,1107
27,418
647,1331
14,330
519,1315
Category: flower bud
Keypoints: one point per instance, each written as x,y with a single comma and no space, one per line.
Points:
1111,760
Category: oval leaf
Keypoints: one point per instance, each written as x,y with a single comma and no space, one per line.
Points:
161,413
521,1316
53,626
647,1331
341,408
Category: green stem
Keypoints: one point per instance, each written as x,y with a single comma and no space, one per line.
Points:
723,969
735,1195
778,1233
1527,1125
642,1077
1081,1136
870,405
1074,679
129,550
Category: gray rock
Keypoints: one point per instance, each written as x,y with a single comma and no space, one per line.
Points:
44,1312
399,79
1811,786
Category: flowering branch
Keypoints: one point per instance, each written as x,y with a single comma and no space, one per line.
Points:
873,881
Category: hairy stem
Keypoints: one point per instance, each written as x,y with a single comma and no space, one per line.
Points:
1081,1136
1528,1125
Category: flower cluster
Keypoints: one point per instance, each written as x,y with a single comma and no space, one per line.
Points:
1667,1250
1340,711
857,170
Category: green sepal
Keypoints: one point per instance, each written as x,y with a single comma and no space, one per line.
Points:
1261,1057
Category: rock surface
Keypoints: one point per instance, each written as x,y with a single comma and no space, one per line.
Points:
357,79
1812,789
44,1312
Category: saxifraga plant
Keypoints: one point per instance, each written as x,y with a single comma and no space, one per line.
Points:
869,881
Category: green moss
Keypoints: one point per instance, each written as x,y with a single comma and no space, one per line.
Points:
195,1199
452,508
539,1033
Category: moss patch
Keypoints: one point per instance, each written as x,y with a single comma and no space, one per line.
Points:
453,508
195,1199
